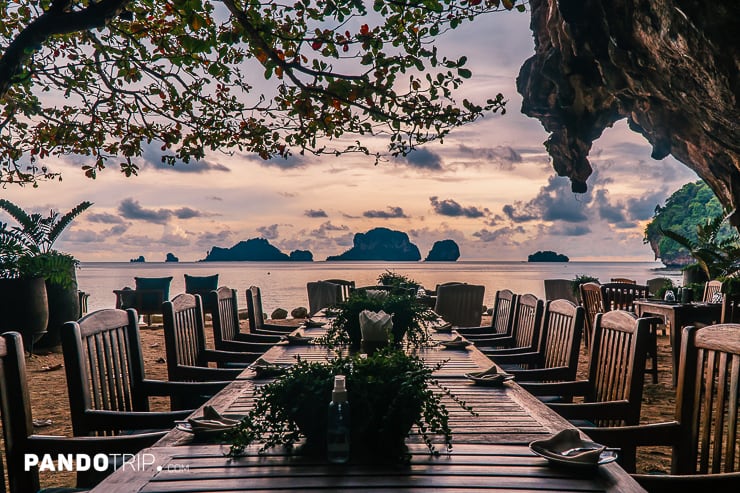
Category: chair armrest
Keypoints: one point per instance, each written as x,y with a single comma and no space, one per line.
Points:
202,373
244,347
280,328
494,342
167,388
517,359
560,373
511,351
579,387
105,445
252,337
666,433
230,356
103,420
482,329
592,410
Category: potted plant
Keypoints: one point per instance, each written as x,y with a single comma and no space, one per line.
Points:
389,278
28,254
388,392
410,315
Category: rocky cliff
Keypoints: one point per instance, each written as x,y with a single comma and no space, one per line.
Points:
254,249
671,67
380,244
443,251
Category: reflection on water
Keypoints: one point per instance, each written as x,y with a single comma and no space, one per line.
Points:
284,283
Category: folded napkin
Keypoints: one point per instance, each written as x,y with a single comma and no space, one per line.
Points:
375,326
567,445
456,342
212,421
265,369
299,338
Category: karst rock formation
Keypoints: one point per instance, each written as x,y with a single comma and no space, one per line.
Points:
671,67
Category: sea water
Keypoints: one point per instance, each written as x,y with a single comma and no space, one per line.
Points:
283,284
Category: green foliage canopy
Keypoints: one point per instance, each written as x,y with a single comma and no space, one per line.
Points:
692,205
103,79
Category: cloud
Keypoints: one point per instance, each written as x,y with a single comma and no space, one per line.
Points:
450,207
327,227
131,209
104,217
554,202
504,156
152,155
291,162
315,213
423,159
215,238
504,234
565,229
392,212
269,232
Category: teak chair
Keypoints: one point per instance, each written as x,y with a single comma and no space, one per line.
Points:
322,294
17,421
613,392
257,318
711,288
226,333
347,286
557,353
525,333
623,280
704,436
108,390
730,308
559,289
656,284
460,304
185,341
622,296
592,304
147,298
502,318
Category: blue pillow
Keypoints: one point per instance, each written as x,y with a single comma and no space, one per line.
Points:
158,283
201,284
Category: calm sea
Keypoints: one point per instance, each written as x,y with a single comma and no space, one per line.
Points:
283,284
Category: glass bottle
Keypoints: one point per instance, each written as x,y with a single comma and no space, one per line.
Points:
338,429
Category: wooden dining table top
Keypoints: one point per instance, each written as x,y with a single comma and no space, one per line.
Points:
490,449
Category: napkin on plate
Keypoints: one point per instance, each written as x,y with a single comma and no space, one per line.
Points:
375,326
211,421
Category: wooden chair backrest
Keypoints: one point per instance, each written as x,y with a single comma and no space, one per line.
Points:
254,308
710,289
707,401
730,308
559,289
502,320
104,366
460,304
322,294
347,286
15,405
560,338
623,280
621,295
225,318
617,363
184,334
527,321
592,304
656,283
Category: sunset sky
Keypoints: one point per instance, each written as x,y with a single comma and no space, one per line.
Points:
490,187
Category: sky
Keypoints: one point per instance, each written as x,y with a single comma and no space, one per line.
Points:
490,187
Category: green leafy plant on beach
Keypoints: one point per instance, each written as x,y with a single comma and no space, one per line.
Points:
390,278
581,279
389,392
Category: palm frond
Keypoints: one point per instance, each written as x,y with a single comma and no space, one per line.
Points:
60,225
16,213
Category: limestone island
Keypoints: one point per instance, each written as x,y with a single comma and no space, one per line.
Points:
547,256
443,251
255,249
140,258
380,244
171,258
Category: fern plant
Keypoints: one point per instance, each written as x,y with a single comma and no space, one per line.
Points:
26,250
717,257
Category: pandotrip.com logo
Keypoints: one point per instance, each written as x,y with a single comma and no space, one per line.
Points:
97,462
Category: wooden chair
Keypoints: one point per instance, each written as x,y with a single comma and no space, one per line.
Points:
146,298
185,341
525,332
704,435
323,294
711,288
592,304
257,318
347,286
557,353
656,284
502,318
730,308
202,285
107,387
460,304
623,280
226,333
622,296
612,393
17,421
559,289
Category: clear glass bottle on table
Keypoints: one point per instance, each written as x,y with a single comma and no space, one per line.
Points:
338,423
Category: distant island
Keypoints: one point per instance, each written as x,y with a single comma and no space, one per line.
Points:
380,244
443,251
171,258
255,249
140,258
547,256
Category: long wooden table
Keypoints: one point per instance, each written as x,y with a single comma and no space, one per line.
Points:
677,315
489,452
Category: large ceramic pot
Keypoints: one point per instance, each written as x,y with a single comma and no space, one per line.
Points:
64,306
24,308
